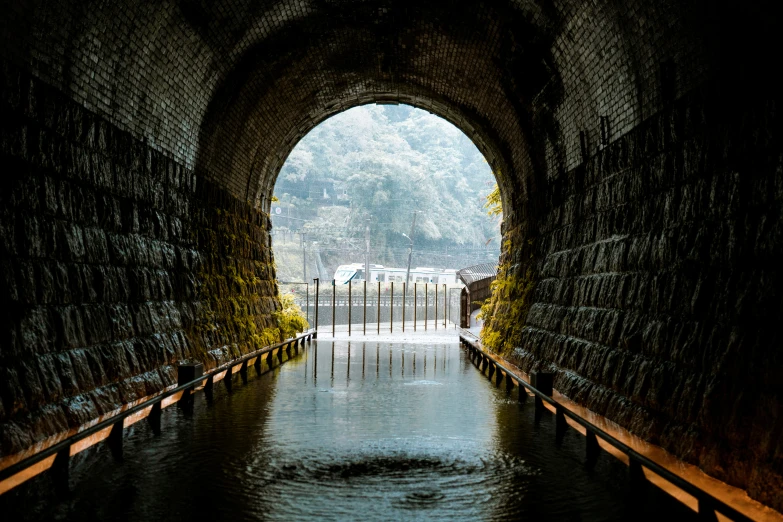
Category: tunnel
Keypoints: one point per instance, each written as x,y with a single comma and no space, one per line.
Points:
636,144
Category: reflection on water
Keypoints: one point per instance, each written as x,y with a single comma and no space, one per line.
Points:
349,431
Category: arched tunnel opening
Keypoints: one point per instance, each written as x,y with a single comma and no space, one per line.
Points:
382,199
637,147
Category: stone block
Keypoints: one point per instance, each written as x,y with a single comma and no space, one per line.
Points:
108,213
106,399
131,389
65,371
49,377
45,421
119,250
7,234
95,363
142,319
114,284
121,319
46,287
96,246
14,437
70,326
97,324
11,391
25,282
70,241
79,410
37,332
61,282
151,381
51,192
134,365
31,385
129,211
90,288
114,361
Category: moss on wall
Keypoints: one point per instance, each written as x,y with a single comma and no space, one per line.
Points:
505,311
238,297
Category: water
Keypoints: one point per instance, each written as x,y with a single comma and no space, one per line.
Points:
349,431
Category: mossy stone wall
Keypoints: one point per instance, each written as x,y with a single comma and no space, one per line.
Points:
117,262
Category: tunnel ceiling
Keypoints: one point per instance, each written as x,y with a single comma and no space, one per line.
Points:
229,87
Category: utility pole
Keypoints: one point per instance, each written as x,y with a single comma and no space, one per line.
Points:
367,251
304,258
410,250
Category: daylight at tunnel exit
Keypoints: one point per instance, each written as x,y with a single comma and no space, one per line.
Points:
391,260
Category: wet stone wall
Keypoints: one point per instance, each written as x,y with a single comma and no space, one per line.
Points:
657,286
116,262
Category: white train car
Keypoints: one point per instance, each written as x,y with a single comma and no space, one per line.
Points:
355,272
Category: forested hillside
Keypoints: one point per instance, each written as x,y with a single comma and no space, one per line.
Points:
375,166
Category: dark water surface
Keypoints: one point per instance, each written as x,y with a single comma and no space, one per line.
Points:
349,431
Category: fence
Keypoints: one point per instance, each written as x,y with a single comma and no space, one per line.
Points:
708,505
56,459
425,305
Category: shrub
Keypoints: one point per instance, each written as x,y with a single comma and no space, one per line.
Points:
290,320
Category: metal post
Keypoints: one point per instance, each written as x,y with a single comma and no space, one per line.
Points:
404,295
379,308
364,317
317,285
436,306
410,250
448,305
367,251
304,258
334,293
426,304
415,291
60,471
349,306
445,304
391,308
307,305
467,307
592,449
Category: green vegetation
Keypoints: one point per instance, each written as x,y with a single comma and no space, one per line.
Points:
494,205
377,165
290,320
505,311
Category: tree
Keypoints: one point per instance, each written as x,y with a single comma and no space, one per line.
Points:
385,162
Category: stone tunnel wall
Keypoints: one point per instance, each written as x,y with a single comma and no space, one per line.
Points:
654,287
116,263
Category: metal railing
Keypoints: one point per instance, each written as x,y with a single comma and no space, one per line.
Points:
62,450
387,301
477,272
708,505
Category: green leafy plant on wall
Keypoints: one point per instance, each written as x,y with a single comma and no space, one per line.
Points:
493,203
504,313
290,319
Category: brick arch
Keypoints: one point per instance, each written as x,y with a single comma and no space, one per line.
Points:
281,87
274,163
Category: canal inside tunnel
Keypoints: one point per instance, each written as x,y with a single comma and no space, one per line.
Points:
404,427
